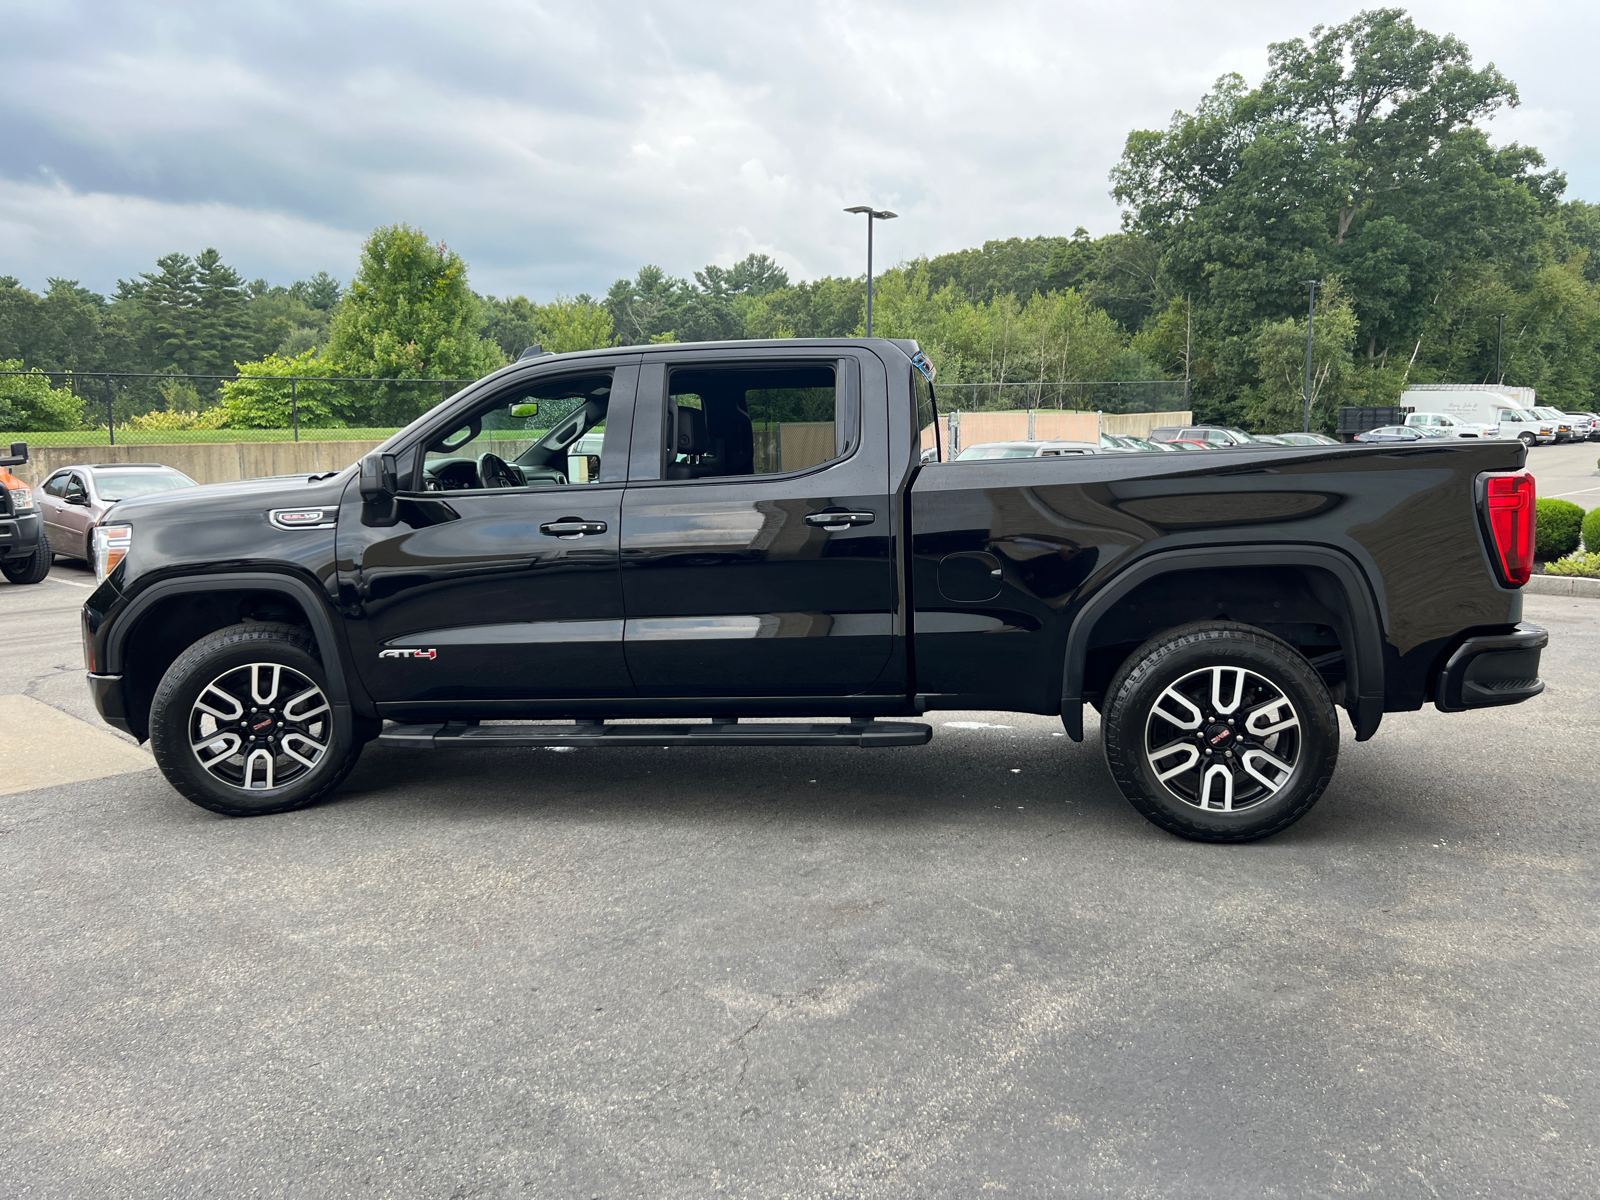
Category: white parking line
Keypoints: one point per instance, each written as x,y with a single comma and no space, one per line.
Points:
69,582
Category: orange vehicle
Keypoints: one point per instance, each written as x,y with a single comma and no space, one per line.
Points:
24,549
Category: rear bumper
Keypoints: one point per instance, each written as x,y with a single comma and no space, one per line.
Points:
106,691
1491,670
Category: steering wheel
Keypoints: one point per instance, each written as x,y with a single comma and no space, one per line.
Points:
495,472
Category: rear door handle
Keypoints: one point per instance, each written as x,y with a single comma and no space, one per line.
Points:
569,528
834,521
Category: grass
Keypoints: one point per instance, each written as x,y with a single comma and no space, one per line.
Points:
179,437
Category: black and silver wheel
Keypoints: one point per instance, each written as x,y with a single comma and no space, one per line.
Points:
32,569
1220,732
242,723
1528,440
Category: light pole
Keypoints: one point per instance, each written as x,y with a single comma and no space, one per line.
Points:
873,214
1311,318
1499,340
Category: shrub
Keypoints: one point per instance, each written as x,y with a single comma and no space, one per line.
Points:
261,399
1591,531
1585,565
1558,528
212,418
28,402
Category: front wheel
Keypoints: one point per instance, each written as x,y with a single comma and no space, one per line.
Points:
32,569
242,724
1220,732
1528,440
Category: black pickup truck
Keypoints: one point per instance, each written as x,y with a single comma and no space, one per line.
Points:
608,548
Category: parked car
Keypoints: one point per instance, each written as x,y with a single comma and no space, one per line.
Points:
1123,441
1025,450
1563,424
1451,426
1308,439
761,542
1402,433
24,548
74,499
1587,425
1216,435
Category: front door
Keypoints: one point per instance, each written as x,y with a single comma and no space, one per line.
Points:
499,580
757,530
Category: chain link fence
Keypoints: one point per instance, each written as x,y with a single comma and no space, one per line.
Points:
128,408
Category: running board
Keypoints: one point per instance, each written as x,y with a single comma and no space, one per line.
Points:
594,734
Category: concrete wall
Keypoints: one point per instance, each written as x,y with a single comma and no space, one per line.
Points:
204,462
1050,426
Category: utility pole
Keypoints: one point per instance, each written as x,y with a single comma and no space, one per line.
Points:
1311,318
873,214
1499,340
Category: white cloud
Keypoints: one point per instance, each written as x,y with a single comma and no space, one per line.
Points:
560,146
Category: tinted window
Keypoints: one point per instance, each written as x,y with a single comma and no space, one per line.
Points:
57,486
126,485
927,415
751,420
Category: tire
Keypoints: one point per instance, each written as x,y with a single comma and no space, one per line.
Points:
1528,440
88,550
32,569
1240,785
205,721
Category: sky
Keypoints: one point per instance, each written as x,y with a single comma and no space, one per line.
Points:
560,146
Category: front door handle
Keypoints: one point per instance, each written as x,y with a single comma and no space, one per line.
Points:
568,528
835,521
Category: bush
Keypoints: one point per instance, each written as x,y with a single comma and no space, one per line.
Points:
1559,526
1585,565
28,402
261,399
212,418
1591,531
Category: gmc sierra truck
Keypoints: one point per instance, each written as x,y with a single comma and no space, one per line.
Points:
756,544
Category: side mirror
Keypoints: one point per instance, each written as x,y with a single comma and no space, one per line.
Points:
379,477
77,498
18,455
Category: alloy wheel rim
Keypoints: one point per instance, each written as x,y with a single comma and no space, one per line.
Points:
260,726
1223,739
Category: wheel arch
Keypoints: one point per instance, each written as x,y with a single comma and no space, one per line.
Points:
1341,590
167,617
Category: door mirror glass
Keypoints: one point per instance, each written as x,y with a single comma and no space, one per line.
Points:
526,409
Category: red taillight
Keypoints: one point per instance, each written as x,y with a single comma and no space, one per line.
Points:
1509,507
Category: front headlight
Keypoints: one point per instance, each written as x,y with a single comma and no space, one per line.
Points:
111,544
21,499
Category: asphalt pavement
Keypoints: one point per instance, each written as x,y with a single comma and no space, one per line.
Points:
941,972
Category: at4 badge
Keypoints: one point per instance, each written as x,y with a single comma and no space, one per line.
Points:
408,654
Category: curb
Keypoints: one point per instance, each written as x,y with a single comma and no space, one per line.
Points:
1563,585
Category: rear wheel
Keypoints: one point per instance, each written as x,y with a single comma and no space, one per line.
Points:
32,569
1220,732
242,724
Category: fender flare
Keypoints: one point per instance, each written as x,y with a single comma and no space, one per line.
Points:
1363,660
314,605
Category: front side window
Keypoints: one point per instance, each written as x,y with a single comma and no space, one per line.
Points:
547,434
57,486
763,420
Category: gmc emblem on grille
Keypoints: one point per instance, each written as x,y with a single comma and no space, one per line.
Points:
408,654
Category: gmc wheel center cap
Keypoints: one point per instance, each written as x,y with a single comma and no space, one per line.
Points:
1218,735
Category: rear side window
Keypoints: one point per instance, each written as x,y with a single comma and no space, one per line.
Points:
754,420
929,444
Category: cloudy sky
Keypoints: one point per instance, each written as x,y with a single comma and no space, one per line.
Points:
558,146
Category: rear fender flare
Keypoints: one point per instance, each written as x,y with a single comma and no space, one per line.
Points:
1364,657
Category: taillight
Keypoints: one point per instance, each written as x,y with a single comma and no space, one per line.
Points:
1508,503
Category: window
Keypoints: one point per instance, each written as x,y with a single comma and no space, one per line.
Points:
75,486
125,485
57,485
549,434
752,421
928,443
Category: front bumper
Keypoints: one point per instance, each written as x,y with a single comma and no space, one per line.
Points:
19,535
1493,669
106,691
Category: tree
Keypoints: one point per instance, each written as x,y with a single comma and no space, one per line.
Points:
28,403
262,398
409,313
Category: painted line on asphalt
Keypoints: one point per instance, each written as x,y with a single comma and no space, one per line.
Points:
75,583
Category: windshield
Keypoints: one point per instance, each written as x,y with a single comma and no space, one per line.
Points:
129,485
996,452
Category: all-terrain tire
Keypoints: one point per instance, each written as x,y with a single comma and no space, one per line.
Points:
1192,673
32,569
232,667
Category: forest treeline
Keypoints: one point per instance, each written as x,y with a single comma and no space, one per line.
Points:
1361,160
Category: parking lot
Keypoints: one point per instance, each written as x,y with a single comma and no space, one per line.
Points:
939,972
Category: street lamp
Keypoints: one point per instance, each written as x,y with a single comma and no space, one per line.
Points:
873,214
1311,320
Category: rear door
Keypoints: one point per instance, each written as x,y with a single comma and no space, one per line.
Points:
758,534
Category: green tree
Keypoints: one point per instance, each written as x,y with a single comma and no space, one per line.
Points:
262,398
409,313
28,403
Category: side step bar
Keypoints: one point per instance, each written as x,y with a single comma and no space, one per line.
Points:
594,734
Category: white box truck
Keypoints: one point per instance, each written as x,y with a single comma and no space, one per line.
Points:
1484,404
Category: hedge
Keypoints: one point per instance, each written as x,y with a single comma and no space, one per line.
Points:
1559,526
1591,531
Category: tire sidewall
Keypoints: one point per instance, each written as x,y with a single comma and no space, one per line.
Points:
1129,711
170,712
